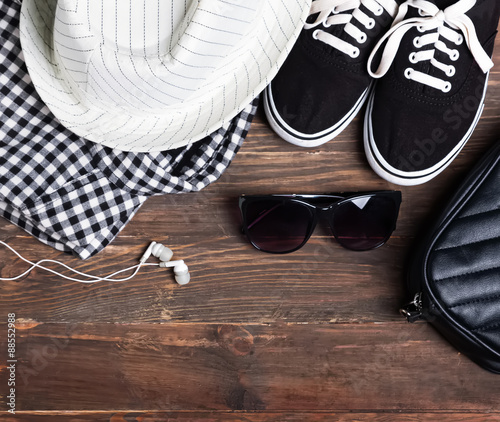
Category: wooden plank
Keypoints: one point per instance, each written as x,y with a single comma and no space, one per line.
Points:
212,416
322,283
202,367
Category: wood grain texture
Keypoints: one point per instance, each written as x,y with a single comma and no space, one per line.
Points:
238,416
201,367
310,336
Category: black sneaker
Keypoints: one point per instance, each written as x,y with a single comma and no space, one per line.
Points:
435,66
324,81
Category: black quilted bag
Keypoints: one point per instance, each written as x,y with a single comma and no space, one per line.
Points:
454,276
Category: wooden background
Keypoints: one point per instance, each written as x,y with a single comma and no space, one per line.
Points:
314,335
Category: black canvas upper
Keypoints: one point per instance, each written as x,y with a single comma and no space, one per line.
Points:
318,84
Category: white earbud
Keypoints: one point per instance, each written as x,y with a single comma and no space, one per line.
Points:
164,254
156,249
181,271
159,251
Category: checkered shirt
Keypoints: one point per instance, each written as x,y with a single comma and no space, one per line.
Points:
75,195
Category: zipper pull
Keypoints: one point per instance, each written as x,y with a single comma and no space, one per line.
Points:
413,310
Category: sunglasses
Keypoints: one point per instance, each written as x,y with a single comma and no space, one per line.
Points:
284,223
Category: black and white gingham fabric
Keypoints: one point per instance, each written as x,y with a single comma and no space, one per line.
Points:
182,170
75,195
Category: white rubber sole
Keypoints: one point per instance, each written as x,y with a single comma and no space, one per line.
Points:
295,137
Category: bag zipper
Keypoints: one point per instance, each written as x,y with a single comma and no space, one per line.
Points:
413,310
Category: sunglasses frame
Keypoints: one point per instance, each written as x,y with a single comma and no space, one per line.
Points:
337,199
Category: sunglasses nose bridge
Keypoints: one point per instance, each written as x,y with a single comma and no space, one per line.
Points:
324,215
325,211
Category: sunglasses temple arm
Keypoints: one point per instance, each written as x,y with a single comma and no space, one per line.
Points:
260,217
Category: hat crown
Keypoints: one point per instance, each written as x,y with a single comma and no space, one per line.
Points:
106,79
139,27
144,55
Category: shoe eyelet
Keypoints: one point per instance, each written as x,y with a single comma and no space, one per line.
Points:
446,87
416,42
315,34
413,58
371,24
451,71
421,29
335,10
460,39
362,39
354,53
421,12
455,55
408,72
379,11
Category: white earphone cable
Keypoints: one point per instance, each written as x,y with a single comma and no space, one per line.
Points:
93,278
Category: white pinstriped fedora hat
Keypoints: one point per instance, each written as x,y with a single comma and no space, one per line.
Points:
153,75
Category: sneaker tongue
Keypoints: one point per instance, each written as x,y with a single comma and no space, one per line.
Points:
443,4
312,18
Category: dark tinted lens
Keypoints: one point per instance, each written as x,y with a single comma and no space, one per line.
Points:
364,223
277,226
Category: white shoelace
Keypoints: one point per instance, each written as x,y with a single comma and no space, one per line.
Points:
431,17
331,13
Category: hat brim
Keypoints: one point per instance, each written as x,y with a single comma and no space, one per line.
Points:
254,63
